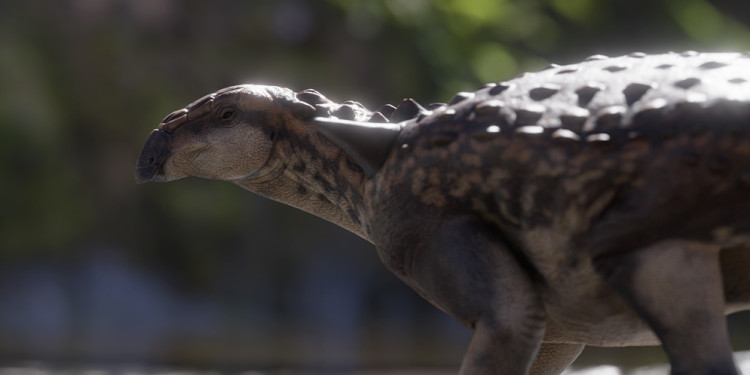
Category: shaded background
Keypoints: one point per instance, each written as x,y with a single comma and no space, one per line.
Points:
94,268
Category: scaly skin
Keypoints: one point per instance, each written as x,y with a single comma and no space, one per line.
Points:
603,203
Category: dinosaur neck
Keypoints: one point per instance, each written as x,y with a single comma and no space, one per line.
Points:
310,173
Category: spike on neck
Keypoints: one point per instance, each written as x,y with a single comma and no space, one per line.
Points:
367,143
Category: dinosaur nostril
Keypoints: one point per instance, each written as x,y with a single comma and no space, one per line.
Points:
151,159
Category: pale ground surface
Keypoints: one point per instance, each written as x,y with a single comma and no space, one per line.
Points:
743,358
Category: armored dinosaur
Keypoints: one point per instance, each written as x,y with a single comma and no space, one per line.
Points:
601,203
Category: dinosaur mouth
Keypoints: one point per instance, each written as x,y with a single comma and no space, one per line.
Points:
151,161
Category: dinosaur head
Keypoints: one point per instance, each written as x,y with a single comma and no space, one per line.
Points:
227,135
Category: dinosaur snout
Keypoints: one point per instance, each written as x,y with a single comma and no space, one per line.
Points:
153,155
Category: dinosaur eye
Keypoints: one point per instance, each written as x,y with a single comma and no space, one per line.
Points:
226,114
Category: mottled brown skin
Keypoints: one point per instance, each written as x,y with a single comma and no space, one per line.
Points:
604,203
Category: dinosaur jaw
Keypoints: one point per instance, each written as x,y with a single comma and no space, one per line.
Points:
150,166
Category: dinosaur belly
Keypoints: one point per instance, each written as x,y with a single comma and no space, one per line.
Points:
580,306
592,315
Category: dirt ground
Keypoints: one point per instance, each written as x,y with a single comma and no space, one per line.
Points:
743,358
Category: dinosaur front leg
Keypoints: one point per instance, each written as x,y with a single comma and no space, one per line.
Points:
463,267
676,286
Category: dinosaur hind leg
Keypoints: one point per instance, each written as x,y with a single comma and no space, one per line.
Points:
735,266
676,287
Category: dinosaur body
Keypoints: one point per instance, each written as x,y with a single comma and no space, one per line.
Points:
603,203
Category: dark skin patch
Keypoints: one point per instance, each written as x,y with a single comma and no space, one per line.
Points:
354,167
300,167
354,216
327,187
